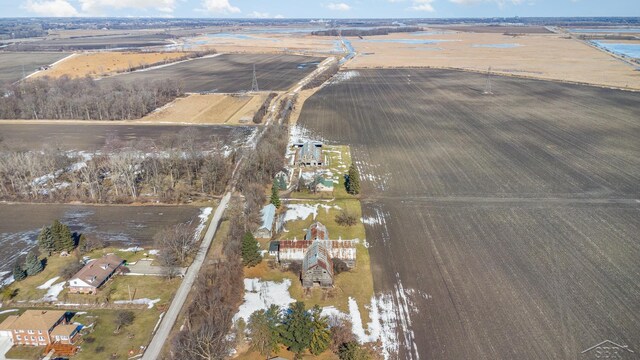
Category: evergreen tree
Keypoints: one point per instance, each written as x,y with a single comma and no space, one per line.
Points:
296,329
321,335
32,265
82,244
56,231
275,198
66,239
263,331
353,180
18,272
351,351
250,254
45,241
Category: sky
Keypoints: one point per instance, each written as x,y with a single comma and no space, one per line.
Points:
319,9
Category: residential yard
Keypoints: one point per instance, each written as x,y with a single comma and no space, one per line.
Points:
327,355
116,288
100,341
24,352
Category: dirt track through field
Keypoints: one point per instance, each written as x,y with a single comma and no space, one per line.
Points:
503,226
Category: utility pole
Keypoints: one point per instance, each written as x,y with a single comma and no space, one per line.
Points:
487,87
254,83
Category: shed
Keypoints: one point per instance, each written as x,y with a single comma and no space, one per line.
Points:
268,214
274,246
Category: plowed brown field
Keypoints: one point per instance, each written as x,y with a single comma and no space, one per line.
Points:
504,226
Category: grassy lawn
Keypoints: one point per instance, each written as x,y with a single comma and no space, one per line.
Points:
25,352
118,287
27,288
100,341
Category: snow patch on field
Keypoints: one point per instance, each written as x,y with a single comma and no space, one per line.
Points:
48,283
54,291
144,301
379,223
260,295
303,211
204,216
342,76
8,311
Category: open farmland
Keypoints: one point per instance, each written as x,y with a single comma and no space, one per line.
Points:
208,109
14,65
229,73
494,217
101,63
92,136
114,224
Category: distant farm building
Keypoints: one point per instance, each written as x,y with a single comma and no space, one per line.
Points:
94,274
265,231
309,153
317,267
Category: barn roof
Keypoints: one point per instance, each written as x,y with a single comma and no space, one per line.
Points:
317,231
317,255
268,214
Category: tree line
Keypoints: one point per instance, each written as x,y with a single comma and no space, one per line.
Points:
85,99
175,170
367,32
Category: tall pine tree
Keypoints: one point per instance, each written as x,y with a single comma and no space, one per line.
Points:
296,329
321,335
250,254
263,331
275,198
18,272
353,180
32,265
45,241
66,239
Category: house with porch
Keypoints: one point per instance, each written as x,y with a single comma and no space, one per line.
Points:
40,328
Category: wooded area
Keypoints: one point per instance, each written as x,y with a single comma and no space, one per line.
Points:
85,99
171,170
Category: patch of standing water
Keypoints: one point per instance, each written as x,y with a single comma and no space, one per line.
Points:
630,50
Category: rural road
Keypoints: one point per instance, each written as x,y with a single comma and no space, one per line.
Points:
170,317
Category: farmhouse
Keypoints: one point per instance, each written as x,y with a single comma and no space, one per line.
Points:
309,153
94,274
266,228
323,185
317,267
40,328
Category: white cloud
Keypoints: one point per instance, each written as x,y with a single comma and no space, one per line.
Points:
259,15
338,7
219,7
55,8
99,7
423,5
499,2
